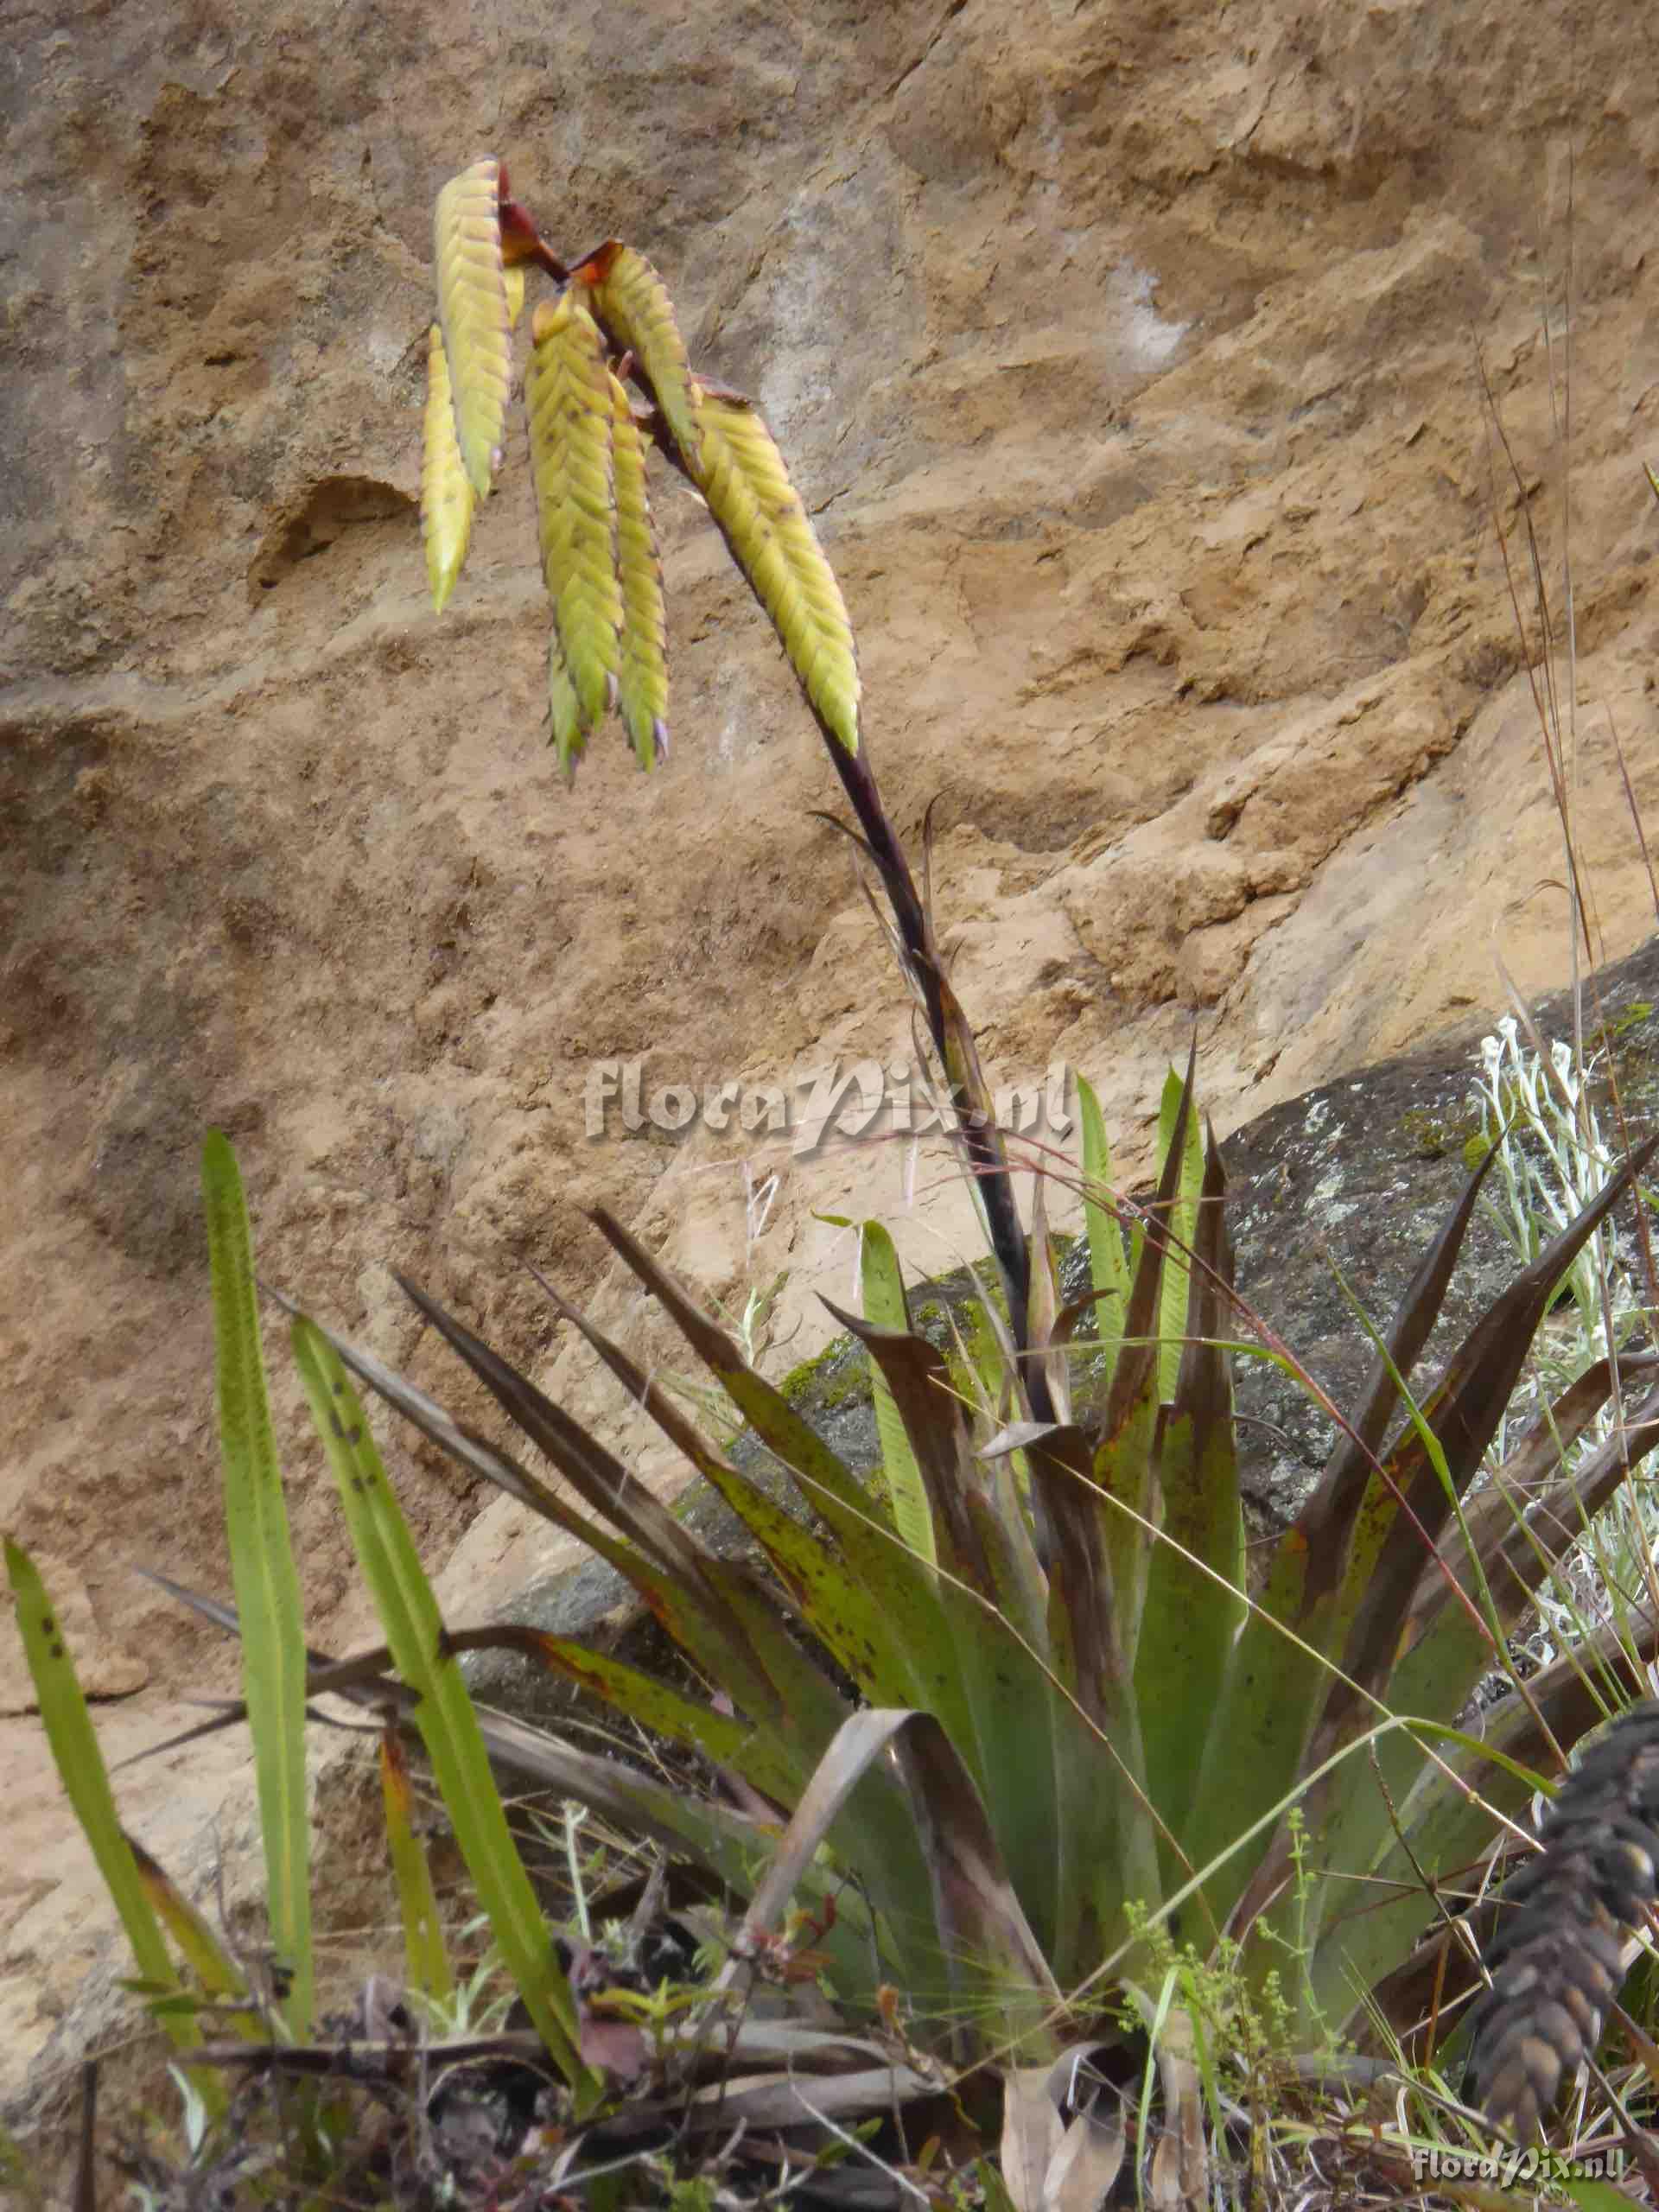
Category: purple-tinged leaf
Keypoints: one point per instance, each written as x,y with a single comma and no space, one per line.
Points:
1188,1627
986,1947
1464,1414
1325,1525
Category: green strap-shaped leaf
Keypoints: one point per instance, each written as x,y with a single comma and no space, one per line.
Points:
1035,1760
742,476
444,1711
220,1977
633,301
1278,1715
884,1308
1448,1830
685,1590
908,1633
1125,1463
447,495
1108,1269
728,1739
1366,1924
84,1777
643,679
568,394
1443,1660
801,1710
263,1572
425,1957
473,309
1182,1221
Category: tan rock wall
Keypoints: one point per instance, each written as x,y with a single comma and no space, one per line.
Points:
1126,354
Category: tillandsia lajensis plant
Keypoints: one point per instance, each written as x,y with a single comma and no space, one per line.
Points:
1033,1751
610,325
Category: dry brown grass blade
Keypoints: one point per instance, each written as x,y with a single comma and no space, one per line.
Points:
1179,2180
1527,1555
1063,2145
1489,1519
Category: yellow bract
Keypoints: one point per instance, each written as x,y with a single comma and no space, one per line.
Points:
569,729
447,497
567,393
643,678
742,476
633,301
599,550
472,308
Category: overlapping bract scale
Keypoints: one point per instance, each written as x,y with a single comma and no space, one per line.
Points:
473,309
447,497
643,678
599,552
568,396
570,728
633,302
742,474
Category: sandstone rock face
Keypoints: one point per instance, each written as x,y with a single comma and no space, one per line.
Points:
1127,359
